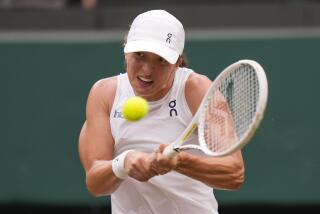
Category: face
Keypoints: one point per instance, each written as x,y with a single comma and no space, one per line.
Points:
150,75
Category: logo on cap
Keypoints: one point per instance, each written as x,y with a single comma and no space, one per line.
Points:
169,37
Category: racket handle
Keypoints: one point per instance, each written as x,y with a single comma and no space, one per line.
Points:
170,152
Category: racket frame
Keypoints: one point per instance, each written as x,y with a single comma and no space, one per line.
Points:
198,119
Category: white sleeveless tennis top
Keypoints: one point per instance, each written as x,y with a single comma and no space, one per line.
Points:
170,193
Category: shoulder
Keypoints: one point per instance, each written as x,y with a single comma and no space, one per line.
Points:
195,79
103,92
195,89
109,83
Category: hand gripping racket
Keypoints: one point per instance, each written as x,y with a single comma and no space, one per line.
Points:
229,113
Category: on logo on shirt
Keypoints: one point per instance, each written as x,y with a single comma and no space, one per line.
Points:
173,111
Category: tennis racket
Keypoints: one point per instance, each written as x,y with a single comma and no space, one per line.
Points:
229,113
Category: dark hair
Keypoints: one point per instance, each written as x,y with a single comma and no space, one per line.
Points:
184,61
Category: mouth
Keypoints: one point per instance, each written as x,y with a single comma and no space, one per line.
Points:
144,81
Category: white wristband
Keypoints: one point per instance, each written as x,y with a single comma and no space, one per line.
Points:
118,165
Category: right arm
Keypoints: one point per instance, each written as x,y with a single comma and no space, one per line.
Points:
96,141
96,144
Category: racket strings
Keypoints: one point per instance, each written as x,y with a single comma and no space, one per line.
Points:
231,109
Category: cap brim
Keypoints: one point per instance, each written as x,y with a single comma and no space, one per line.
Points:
168,54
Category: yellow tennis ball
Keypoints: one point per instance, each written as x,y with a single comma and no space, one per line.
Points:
135,108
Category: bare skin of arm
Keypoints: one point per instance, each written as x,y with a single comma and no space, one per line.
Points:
96,142
223,172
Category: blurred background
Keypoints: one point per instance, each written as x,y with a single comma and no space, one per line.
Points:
52,51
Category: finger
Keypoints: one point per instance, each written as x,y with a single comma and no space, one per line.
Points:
156,150
141,176
136,176
163,161
147,171
162,147
160,170
151,173
137,172
162,164
164,171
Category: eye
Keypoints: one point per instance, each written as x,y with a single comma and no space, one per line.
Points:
162,60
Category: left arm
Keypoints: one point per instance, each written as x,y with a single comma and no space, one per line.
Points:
223,172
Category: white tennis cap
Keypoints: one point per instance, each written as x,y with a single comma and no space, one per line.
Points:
159,32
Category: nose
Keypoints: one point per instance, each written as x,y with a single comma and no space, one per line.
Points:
148,68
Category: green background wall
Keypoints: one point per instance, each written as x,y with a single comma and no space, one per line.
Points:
44,87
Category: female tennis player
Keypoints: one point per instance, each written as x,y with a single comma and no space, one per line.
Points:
124,159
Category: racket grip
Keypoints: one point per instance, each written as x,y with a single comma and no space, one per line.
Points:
169,151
